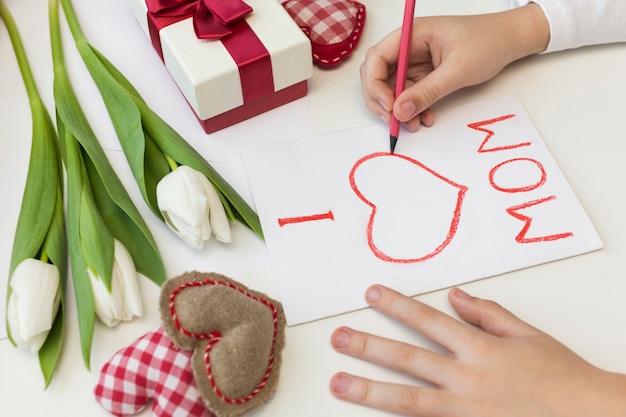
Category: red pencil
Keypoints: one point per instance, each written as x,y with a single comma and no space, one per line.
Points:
403,62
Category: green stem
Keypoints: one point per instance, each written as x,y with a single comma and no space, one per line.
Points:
55,33
44,256
173,164
20,53
72,21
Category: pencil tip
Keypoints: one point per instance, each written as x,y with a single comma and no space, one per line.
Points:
392,142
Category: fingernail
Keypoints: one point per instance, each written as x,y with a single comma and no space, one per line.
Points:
407,109
384,106
342,338
385,118
341,383
373,294
461,294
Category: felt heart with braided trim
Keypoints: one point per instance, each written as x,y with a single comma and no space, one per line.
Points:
333,26
236,335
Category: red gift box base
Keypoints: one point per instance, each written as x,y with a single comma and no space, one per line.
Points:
248,110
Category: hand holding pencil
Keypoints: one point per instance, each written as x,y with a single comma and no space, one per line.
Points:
446,53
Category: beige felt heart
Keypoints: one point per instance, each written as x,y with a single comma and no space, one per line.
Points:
236,334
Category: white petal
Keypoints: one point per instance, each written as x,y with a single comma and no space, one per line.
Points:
14,323
108,305
123,303
217,214
37,341
124,271
183,203
34,301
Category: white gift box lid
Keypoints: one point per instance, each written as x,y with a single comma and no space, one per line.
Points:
206,73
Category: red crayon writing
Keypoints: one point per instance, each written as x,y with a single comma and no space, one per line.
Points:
301,219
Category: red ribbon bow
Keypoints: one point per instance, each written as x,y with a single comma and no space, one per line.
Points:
220,20
211,18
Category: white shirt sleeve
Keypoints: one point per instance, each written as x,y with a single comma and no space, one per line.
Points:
575,23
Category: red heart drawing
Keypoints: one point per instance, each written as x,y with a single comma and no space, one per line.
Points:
415,211
333,26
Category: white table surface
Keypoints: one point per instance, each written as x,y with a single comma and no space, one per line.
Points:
577,100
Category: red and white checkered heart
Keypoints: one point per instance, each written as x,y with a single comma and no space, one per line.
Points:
333,26
150,369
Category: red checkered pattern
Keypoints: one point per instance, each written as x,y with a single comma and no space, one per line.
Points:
328,21
333,26
151,368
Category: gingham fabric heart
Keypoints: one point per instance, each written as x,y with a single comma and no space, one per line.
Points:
333,26
150,369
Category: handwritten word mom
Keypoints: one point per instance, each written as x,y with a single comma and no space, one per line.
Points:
515,211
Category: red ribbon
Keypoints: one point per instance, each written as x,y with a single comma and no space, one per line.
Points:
211,18
219,20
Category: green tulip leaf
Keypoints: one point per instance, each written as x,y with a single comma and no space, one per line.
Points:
126,230
82,286
115,205
133,120
123,113
40,228
40,192
96,241
156,168
55,247
51,350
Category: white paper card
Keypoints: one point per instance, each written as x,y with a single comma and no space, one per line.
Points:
476,195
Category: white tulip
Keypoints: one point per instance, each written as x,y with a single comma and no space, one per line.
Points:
34,302
191,207
124,301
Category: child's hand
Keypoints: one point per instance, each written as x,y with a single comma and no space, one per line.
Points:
448,53
497,365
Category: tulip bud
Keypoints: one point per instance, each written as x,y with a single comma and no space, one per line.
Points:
124,301
191,207
34,302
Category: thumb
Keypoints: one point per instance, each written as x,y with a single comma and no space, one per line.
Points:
425,92
488,315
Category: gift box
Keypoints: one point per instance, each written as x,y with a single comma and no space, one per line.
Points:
231,59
